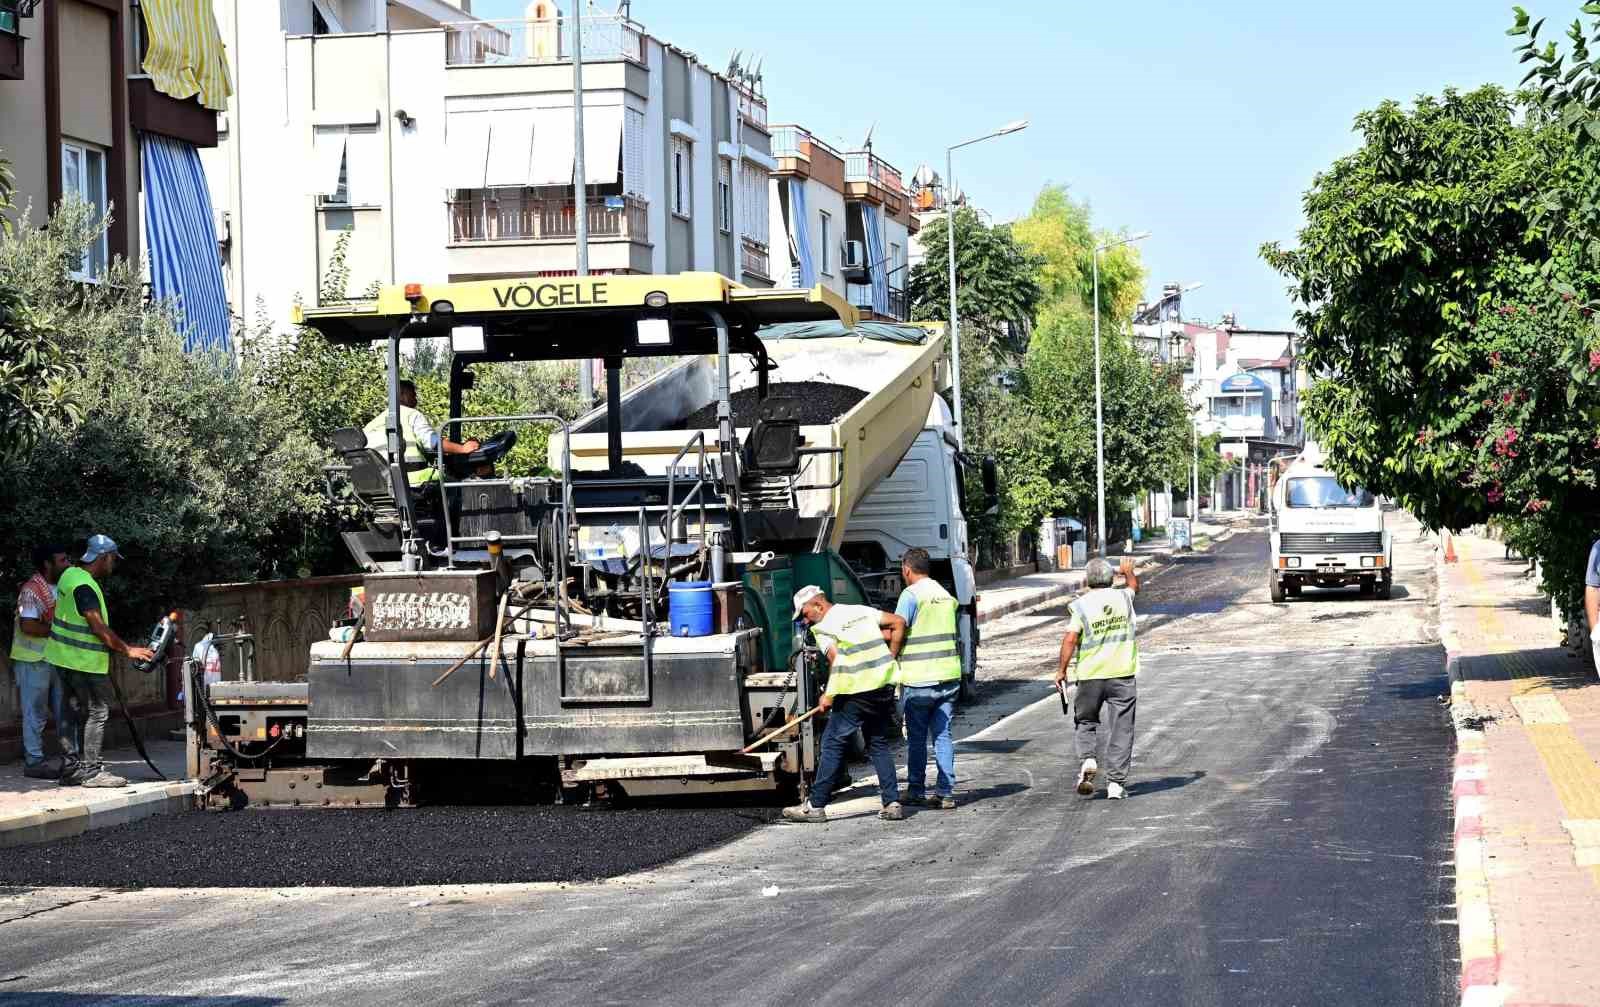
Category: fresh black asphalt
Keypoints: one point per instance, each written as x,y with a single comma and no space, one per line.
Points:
1287,841
290,847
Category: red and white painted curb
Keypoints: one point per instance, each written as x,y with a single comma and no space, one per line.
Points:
1480,948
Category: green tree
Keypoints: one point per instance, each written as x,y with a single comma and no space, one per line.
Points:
181,457
997,287
1059,232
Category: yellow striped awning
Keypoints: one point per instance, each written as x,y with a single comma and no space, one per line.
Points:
186,55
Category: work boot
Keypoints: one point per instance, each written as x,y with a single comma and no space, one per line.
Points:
892,812
946,803
1086,775
103,779
71,772
805,813
44,769
1115,791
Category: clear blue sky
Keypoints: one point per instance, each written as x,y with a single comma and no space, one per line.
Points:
1203,123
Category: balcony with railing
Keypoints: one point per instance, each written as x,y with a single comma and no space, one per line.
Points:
873,179
481,217
802,154
752,107
522,41
754,258
898,306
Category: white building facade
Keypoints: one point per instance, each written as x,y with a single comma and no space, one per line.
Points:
429,145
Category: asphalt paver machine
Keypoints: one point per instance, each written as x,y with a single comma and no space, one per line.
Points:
522,633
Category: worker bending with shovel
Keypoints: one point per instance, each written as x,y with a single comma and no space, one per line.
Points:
859,643
1100,631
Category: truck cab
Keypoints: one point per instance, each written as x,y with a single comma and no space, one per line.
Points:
1327,534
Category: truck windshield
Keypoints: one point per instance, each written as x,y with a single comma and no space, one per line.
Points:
1325,491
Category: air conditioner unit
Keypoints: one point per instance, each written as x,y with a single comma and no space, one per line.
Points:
855,262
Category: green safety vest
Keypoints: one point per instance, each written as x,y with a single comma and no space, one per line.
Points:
377,431
24,648
1106,647
931,655
73,644
862,661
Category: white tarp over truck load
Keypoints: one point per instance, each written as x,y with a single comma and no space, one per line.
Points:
893,367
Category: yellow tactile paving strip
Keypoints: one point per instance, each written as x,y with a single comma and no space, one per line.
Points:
1571,770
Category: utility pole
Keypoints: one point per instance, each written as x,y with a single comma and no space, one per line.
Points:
580,186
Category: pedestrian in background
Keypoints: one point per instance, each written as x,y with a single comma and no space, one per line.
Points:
1100,630
930,674
81,644
1591,599
859,643
38,685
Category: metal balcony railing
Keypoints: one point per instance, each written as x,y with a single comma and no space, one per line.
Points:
483,217
898,307
752,108
525,40
790,141
861,166
753,257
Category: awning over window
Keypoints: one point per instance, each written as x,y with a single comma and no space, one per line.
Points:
181,241
466,143
552,147
602,143
185,57
510,147
327,157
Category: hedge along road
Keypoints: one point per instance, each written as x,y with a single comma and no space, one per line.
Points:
1287,841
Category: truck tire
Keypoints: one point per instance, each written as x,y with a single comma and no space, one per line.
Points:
1369,587
1292,588
1385,588
1275,587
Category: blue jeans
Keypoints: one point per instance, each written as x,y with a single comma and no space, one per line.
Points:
928,710
873,713
42,699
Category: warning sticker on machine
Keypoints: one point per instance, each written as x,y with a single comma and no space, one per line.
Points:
411,610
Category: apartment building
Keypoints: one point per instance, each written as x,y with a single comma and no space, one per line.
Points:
843,219
109,101
432,145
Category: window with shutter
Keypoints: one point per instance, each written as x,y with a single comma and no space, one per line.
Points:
633,180
682,203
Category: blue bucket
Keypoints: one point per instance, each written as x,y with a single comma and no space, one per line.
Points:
689,607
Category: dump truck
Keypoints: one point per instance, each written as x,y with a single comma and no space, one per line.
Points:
524,631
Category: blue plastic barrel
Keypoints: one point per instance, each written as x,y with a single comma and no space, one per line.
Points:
689,607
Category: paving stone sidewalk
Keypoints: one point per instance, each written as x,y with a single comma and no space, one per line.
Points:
1527,788
33,811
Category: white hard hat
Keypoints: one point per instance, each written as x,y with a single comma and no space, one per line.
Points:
804,595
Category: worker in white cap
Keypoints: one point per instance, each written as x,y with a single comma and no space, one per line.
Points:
860,643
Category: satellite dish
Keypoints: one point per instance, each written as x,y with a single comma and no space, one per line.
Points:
867,143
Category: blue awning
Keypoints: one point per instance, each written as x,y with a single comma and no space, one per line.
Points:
800,231
181,241
870,223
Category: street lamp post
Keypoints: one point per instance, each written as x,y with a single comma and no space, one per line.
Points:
1099,402
950,243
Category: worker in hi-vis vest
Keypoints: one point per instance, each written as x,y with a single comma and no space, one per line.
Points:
930,677
1100,630
860,643
421,441
80,647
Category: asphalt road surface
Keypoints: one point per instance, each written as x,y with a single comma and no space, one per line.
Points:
1286,842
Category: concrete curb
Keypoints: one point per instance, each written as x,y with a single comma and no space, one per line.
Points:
115,808
1044,596
1480,945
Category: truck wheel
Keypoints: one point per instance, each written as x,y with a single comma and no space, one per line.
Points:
1275,587
1385,589
1292,588
1369,587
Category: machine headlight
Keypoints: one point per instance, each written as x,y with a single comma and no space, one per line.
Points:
1369,561
1294,561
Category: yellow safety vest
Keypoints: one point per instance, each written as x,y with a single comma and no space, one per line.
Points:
862,661
24,648
73,644
377,431
1106,647
931,654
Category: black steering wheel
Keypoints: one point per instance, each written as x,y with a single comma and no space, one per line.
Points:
493,449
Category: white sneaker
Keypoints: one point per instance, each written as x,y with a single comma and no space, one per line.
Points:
1115,791
1086,776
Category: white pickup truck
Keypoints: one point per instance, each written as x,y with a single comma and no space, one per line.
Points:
1327,535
